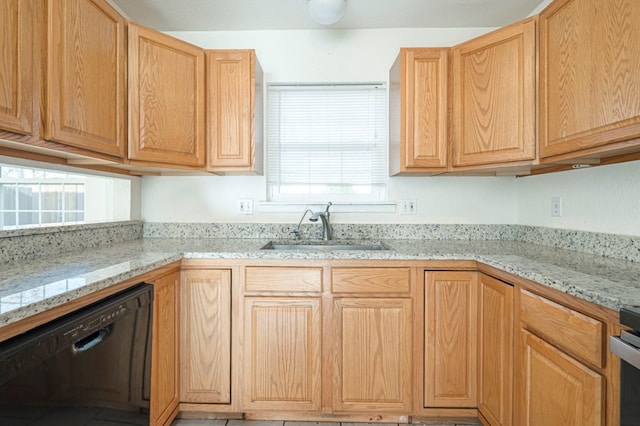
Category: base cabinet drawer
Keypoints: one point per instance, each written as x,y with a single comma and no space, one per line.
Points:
371,280
576,333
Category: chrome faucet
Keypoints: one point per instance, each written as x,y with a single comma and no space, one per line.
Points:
325,216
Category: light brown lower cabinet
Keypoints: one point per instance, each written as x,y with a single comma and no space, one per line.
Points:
328,341
205,341
557,389
557,382
373,354
164,352
495,351
451,339
283,350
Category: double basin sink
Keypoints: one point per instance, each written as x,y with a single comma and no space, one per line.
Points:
331,245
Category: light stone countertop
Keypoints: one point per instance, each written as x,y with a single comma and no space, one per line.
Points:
30,287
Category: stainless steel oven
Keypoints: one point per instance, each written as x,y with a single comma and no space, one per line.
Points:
91,366
627,347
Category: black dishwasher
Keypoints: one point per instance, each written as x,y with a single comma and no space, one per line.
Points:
91,366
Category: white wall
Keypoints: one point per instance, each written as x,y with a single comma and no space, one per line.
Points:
599,199
440,200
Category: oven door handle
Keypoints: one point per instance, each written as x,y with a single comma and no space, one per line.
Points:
625,351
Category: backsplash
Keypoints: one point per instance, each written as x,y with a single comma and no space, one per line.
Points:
38,242
31,243
340,231
608,245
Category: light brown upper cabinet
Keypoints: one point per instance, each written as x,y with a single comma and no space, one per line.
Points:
589,79
234,111
493,84
418,112
16,70
85,80
166,100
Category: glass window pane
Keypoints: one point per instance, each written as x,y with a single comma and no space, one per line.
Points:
7,196
28,197
74,197
73,217
52,196
51,217
28,218
8,219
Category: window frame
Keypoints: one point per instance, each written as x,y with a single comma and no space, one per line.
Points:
377,191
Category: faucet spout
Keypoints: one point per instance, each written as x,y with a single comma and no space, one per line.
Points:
325,216
327,233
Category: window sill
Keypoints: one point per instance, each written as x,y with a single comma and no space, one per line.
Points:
337,207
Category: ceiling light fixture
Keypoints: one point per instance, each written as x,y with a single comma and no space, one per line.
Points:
326,12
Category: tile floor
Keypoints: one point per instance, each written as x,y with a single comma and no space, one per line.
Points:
185,422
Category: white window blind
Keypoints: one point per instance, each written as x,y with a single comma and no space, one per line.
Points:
326,142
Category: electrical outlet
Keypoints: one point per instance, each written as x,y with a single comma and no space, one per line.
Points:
245,207
556,206
408,206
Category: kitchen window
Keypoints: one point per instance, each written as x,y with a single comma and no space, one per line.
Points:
326,142
38,197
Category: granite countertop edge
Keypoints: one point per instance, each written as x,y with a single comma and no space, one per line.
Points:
28,288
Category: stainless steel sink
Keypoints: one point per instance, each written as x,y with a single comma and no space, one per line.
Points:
323,246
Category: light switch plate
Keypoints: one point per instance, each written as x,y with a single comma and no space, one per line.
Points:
408,206
245,206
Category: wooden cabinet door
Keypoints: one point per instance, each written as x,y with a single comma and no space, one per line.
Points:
234,111
85,82
166,99
282,355
373,355
589,79
418,111
164,354
205,361
494,97
555,389
451,339
495,351
16,69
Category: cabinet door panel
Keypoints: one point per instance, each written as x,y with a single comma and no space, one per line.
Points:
373,355
495,351
16,67
166,99
282,354
164,362
86,86
494,103
451,338
232,103
555,388
589,84
418,109
206,336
